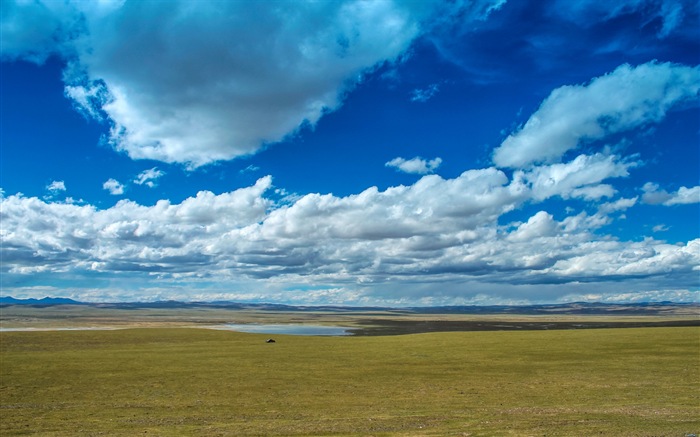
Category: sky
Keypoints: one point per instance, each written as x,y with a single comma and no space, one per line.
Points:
394,153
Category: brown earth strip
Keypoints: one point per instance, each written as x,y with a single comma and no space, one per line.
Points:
374,327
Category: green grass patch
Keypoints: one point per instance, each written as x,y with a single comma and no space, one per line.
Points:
215,383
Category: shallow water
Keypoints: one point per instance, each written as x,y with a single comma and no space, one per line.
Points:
286,329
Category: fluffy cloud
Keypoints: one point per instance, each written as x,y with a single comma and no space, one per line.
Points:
641,259
220,80
627,98
53,236
349,249
149,177
581,177
56,186
415,165
114,187
618,205
654,195
427,208
685,196
539,225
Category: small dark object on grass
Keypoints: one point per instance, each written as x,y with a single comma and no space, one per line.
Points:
269,340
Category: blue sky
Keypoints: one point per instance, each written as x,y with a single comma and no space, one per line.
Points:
351,152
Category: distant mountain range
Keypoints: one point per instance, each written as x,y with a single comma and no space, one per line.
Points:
46,301
647,308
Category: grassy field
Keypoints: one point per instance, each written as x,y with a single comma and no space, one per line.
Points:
371,322
164,382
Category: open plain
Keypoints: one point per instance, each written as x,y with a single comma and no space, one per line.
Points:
159,376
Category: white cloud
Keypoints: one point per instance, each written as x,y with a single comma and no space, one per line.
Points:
660,228
541,224
593,192
431,207
113,186
88,99
56,186
221,80
640,259
149,177
415,165
618,205
357,249
685,196
219,98
635,296
581,177
627,98
42,236
654,195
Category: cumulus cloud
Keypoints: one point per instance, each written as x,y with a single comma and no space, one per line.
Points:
50,236
580,178
221,80
685,196
539,225
191,87
56,186
627,98
654,195
113,186
618,205
149,177
352,247
635,259
415,165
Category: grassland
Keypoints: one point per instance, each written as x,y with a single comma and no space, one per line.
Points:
179,381
367,322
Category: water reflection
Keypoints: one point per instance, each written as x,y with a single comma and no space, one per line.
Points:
287,329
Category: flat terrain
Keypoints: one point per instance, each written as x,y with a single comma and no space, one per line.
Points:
363,321
181,381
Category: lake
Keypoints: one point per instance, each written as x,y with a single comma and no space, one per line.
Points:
286,329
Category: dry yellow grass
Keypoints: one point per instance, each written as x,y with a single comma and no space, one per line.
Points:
201,382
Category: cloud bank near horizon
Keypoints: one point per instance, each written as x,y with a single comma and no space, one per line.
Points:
443,230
